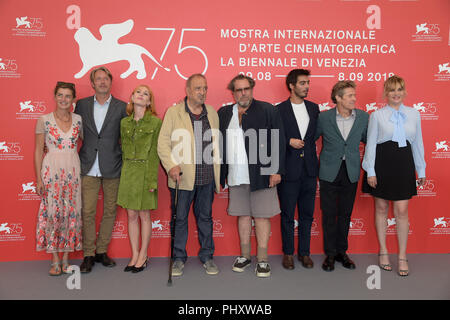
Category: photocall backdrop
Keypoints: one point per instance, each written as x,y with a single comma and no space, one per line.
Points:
43,42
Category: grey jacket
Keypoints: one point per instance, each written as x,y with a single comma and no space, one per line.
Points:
334,147
106,142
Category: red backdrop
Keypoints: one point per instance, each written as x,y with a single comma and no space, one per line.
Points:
47,41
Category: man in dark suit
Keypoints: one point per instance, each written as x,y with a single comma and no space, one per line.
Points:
298,185
343,129
101,162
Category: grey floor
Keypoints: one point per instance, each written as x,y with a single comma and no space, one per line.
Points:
429,279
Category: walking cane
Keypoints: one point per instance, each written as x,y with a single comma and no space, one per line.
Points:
172,232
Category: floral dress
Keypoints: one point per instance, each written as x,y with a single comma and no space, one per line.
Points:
59,220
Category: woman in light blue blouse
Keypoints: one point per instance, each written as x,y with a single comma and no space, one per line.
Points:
394,152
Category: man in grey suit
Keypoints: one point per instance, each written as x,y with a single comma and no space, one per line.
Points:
101,162
343,129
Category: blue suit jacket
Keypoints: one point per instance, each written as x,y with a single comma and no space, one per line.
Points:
294,159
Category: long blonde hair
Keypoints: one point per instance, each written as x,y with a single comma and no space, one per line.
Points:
150,108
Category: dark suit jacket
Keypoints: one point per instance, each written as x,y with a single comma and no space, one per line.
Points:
259,115
294,160
334,147
106,142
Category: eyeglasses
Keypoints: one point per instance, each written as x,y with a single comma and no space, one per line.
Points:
242,90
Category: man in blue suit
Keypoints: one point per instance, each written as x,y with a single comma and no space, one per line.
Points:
298,186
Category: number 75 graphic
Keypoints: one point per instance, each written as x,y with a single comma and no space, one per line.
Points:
180,48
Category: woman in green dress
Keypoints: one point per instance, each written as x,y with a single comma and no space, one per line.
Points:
138,188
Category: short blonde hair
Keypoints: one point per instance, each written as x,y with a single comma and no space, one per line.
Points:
104,69
150,108
392,82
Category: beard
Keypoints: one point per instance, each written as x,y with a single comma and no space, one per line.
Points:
245,103
302,95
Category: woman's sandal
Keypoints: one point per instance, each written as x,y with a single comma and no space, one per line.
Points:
57,269
65,266
385,267
403,273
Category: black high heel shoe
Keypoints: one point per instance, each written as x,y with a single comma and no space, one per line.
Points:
141,268
128,268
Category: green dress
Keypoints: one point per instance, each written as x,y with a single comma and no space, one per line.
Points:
140,162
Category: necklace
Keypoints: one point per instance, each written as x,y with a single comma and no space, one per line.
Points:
69,119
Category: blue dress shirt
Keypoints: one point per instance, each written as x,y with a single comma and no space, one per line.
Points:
396,125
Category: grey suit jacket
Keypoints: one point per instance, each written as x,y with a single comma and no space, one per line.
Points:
334,147
105,142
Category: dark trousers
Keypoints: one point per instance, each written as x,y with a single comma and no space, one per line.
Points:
202,196
301,193
336,200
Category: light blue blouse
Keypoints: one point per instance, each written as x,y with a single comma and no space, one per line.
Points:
389,124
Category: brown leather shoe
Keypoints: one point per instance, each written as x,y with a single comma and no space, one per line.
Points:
288,261
306,261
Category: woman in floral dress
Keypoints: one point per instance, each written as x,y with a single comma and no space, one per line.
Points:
58,180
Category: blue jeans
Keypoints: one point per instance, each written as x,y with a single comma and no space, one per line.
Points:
203,197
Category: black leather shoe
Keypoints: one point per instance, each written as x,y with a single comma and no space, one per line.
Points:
141,268
128,268
104,259
328,264
345,260
87,264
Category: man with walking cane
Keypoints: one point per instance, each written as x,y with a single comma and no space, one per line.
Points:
189,144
